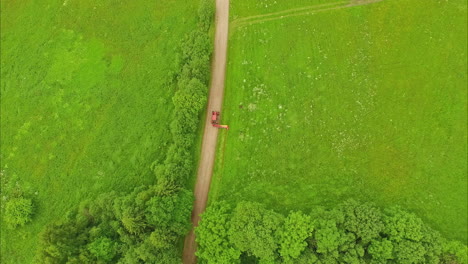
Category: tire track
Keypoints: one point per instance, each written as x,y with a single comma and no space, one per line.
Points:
285,12
243,22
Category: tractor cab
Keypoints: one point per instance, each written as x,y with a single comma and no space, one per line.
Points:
214,117
215,120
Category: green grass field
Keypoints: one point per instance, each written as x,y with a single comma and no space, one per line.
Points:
365,102
84,107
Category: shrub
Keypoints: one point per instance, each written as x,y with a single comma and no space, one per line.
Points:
18,212
205,13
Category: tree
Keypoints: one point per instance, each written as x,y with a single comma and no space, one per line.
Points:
177,166
362,219
18,212
454,252
381,250
162,239
140,227
252,230
307,257
409,252
192,97
212,236
292,235
103,249
130,214
61,241
328,236
433,244
171,212
400,225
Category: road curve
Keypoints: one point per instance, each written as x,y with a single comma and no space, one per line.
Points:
215,101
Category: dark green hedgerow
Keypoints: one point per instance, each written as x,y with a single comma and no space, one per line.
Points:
351,233
146,225
189,99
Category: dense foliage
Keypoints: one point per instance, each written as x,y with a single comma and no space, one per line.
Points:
351,233
17,212
190,98
146,225
16,206
141,227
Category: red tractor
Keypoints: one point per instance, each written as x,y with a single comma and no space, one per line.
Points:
215,120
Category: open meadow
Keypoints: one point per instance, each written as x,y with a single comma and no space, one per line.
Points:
335,100
85,109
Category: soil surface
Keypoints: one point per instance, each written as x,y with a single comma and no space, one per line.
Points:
208,150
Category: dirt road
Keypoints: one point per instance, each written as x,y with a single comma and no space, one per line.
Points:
215,101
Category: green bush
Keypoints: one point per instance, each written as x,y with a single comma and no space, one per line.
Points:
18,212
205,13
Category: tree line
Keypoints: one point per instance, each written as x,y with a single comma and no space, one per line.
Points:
141,227
189,100
147,225
352,232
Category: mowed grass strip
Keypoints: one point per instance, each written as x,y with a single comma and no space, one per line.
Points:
367,102
84,106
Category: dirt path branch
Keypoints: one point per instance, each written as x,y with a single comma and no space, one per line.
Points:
215,100
288,11
308,10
